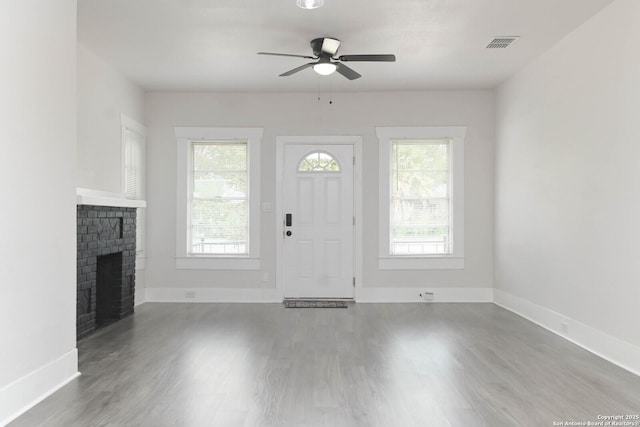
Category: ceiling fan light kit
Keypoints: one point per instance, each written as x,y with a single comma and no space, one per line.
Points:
325,68
309,4
325,50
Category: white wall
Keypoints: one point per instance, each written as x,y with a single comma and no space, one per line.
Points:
37,183
103,94
568,186
303,114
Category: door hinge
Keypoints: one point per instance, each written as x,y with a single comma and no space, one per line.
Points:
354,160
354,282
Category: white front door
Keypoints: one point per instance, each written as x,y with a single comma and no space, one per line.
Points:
318,221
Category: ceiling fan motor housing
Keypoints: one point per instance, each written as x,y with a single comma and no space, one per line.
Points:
325,47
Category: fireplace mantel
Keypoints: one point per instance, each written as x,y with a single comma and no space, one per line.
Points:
85,196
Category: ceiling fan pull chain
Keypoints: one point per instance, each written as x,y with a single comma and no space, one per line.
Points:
330,93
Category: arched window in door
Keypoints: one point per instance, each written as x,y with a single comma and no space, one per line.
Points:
318,161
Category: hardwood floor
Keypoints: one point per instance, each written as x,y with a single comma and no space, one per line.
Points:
368,365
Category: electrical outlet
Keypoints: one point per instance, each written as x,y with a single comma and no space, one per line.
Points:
564,327
426,296
190,294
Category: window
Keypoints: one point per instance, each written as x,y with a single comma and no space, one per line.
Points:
421,197
419,216
133,142
133,174
218,200
218,215
318,161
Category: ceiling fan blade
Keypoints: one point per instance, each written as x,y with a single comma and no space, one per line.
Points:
347,72
372,58
295,70
286,54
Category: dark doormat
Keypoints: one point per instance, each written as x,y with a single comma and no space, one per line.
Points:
314,304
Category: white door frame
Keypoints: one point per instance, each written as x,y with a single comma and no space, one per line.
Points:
281,142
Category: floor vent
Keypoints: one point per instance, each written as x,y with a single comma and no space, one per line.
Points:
502,42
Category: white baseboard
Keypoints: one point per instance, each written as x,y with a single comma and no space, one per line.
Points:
26,392
399,295
246,295
615,350
364,295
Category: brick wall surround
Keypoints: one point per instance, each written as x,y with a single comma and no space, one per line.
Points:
104,230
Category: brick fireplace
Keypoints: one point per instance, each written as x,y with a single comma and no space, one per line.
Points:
106,255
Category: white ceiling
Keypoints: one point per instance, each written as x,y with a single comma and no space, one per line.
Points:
211,45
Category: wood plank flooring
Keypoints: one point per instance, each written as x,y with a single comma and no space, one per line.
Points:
369,365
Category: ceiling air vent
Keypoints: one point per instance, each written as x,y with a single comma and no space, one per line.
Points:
501,42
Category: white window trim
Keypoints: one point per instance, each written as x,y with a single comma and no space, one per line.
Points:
127,123
455,260
185,135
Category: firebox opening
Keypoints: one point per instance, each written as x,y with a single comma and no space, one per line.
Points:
108,289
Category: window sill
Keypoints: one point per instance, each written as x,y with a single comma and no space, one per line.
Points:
421,263
217,263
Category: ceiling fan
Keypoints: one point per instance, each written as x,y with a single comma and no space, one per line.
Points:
324,52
